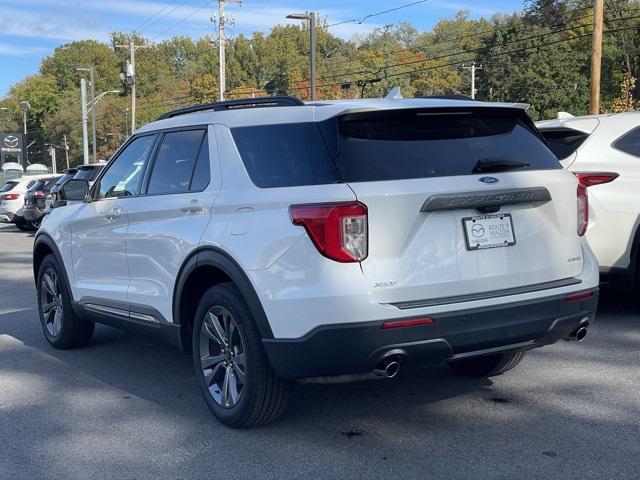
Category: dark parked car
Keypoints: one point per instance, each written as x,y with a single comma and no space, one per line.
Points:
54,196
35,201
89,172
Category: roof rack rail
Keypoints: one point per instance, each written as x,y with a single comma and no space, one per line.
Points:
258,102
453,96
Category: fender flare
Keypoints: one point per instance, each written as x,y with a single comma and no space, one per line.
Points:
214,257
44,238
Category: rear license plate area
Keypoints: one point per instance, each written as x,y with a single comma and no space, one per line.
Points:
489,231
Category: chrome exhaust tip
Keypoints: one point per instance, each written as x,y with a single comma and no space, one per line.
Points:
580,334
389,368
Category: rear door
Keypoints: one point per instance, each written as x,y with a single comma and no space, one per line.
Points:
460,203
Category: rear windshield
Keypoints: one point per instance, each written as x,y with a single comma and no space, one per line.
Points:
390,145
563,143
65,178
39,185
89,174
394,145
7,187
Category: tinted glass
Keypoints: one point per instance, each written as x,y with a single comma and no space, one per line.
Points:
563,143
65,178
7,187
39,185
84,174
124,174
175,161
201,174
405,144
629,142
285,155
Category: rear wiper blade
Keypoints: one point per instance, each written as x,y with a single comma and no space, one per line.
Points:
497,165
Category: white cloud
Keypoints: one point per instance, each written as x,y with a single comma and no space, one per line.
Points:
474,9
71,20
18,50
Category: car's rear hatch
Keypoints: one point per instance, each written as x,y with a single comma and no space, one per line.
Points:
442,185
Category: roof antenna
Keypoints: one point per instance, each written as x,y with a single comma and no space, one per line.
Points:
394,94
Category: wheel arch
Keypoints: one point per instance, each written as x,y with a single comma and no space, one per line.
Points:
202,269
43,246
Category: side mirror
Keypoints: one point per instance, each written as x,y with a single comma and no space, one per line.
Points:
75,190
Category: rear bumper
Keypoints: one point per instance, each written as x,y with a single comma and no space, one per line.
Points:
358,348
32,214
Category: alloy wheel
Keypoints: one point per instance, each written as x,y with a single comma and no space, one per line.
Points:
222,357
51,302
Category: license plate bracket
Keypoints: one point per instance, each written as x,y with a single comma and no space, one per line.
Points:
489,231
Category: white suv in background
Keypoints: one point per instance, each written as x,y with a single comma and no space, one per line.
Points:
278,240
604,153
12,196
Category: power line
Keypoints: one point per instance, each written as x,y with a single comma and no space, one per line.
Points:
361,20
180,21
145,24
440,57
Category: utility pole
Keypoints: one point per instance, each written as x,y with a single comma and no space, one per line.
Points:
222,21
473,68
129,77
92,108
85,140
596,56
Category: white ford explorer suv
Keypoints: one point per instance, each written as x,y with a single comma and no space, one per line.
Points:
278,240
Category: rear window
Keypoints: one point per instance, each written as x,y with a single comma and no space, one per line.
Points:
629,142
284,155
394,145
65,178
39,185
7,187
175,161
563,143
88,174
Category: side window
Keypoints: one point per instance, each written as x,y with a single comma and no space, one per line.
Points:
124,174
284,155
201,174
629,142
175,161
563,143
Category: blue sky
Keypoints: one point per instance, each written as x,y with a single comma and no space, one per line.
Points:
31,29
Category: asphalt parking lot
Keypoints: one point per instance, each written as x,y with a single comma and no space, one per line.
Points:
128,407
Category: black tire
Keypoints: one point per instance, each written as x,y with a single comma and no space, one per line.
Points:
21,224
69,330
489,365
264,395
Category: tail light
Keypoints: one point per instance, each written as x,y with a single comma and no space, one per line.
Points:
338,230
589,179
39,194
585,180
11,196
583,209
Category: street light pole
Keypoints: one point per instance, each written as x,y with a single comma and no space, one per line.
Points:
25,106
93,110
85,140
311,18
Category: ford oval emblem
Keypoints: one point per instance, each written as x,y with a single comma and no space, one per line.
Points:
488,180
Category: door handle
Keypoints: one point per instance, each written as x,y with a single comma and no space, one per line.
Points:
115,213
193,208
